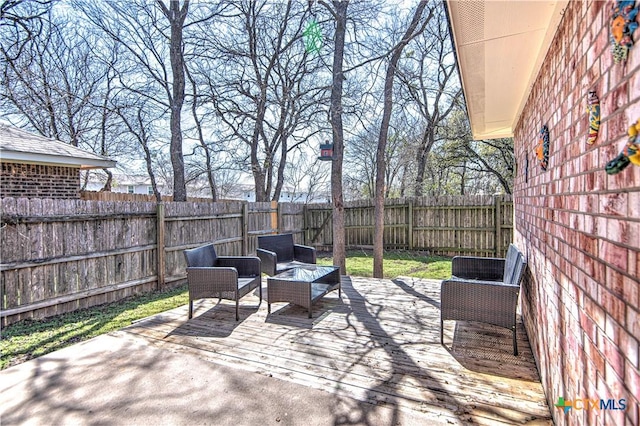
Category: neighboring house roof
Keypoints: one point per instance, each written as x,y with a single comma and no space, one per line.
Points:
20,146
125,180
500,46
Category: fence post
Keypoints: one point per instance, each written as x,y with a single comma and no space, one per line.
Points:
410,225
498,219
274,217
245,228
304,224
160,244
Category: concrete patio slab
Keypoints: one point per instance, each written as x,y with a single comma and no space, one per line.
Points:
119,379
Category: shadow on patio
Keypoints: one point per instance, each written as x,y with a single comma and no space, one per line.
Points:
377,350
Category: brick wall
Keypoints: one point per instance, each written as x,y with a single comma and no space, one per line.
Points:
35,180
579,227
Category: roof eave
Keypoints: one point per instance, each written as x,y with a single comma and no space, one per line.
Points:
499,57
55,160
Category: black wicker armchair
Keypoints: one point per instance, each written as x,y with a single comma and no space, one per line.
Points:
484,290
278,253
225,277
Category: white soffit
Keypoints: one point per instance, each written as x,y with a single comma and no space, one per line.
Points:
500,46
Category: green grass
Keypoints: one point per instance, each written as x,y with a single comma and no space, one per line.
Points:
32,338
413,264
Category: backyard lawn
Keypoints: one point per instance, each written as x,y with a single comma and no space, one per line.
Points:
406,263
30,339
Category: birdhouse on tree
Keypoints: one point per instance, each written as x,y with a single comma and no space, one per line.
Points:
326,151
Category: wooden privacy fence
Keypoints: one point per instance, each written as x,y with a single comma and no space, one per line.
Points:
472,225
62,255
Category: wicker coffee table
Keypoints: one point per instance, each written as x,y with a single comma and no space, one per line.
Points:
303,285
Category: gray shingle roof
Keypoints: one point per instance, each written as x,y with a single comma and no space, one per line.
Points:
18,145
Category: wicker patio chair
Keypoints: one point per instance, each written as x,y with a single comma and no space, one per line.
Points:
278,253
484,290
225,277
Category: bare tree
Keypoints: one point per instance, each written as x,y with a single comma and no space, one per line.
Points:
176,15
261,84
413,30
399,158
430,87
306,177
492,158
208,170
339,11
255,95
483,166
138,124
360,176
105,112
54,83
44,87
21,21
152,36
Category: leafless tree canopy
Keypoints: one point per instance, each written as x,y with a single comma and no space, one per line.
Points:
205,97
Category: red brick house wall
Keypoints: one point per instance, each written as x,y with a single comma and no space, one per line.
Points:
579,227
39,181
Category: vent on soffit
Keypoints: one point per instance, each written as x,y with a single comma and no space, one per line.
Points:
471,15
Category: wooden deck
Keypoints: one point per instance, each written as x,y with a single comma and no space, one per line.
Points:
378,346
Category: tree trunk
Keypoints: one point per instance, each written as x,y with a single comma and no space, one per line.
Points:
281,166
107,184
198,123
339,252
258,173
103,133
378,233
143,138
176,17
428,139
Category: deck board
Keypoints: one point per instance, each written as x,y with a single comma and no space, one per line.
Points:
379,344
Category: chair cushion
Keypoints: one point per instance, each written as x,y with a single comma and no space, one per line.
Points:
281,244
246,284
513,267
245,281
202,257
